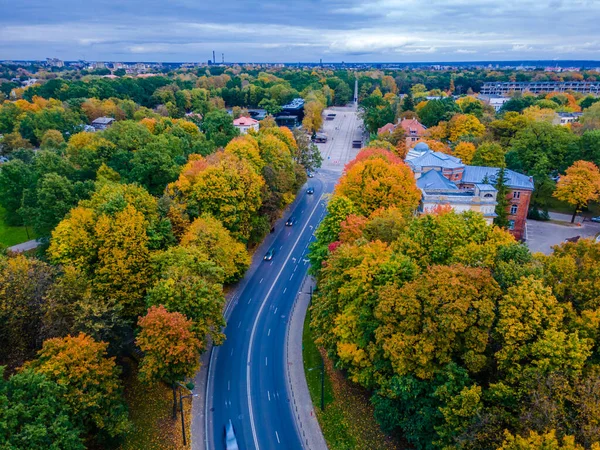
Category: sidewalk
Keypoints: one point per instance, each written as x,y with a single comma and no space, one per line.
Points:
304,413
24,247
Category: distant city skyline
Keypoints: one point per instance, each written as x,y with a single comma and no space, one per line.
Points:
303,30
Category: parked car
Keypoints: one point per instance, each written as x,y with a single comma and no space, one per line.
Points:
269,255
310,190
230,439
291,221
309,174
595,219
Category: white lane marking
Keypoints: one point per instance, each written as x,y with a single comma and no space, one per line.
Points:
249,301
260,281
239,324
253,332
295,267
266,361
228,385
269,395
278,441
269,333
285,289
275,312
291,276
231,352
280,247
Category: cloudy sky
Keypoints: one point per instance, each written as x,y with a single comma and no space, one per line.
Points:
300,30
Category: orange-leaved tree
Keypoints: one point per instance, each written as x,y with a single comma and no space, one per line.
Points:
579,186
91,379
171,348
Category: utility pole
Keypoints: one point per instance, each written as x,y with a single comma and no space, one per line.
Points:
322,384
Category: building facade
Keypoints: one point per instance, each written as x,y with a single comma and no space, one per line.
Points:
444,180
245,124
413,130
536,87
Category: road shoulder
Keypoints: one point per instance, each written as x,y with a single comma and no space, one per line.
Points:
302,406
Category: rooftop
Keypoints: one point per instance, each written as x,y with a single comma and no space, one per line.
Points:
429,158
245,121
514,180
103,121
433,180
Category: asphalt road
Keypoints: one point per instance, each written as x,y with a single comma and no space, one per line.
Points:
246,380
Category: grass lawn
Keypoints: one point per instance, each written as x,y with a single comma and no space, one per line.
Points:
150,411
11,235
555,205
347,421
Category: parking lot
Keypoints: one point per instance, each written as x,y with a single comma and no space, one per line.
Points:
541,236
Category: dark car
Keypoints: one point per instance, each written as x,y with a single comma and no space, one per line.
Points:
310,190
310,174
291,221
269,255
595,219
230,439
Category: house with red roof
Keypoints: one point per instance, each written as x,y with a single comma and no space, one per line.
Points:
244,124
413,129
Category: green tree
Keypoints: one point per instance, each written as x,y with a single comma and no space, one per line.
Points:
501,210
34,414
271,106
218,126
436,111
489,154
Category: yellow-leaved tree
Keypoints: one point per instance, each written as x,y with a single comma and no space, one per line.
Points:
579,186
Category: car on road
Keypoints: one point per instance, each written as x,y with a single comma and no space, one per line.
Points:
310,190
310,174
320,137
595,219
291,221
230,439
269,255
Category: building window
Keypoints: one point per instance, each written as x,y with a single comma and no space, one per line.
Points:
488,196
511,224
516,194
514,209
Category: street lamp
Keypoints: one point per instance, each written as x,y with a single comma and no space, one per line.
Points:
189,387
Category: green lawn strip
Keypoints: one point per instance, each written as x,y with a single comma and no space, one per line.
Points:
12,235
555,205
347,422
150,412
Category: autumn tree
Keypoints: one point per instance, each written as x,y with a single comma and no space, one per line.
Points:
457,302
489,154
171,349
464,126
375,183
224,186
531,334
313,115
465,151
212,238
579,186
24,283
338,209
91,381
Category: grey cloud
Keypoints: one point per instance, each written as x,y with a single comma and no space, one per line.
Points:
300,30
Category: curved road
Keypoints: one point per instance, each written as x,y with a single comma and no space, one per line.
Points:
246,380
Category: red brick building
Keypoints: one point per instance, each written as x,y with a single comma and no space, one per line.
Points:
413,129
471,179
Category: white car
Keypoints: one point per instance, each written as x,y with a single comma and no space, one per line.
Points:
230,439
